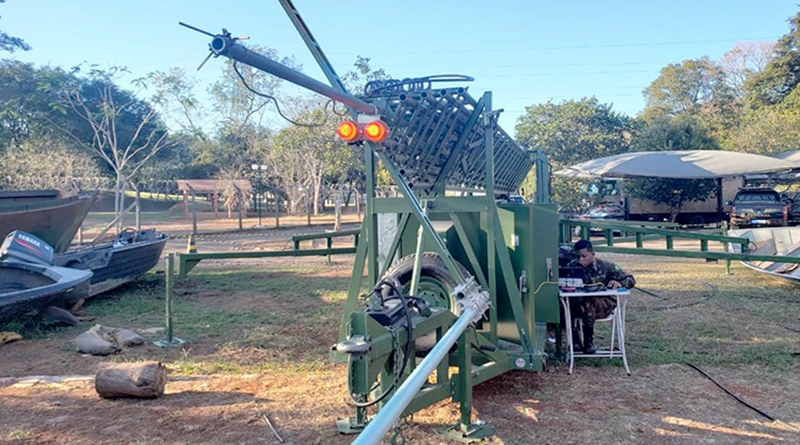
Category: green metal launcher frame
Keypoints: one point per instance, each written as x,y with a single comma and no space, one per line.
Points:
457,279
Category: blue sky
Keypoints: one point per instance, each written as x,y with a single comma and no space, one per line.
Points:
526,52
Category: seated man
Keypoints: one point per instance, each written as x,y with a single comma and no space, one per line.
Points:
589,309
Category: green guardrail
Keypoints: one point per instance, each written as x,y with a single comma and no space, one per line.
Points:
634,231
187,261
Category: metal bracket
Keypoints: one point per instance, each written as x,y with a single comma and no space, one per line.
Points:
470,295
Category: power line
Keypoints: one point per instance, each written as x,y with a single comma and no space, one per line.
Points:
576,88
506,99
576,73
547,65
562,47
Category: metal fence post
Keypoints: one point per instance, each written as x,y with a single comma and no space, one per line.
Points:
169,277
724,231
194,211
138,210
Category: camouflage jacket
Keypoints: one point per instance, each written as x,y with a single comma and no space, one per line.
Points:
605,272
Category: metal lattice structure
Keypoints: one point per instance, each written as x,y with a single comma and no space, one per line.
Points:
436,141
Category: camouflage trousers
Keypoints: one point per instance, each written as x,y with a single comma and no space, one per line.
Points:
589,309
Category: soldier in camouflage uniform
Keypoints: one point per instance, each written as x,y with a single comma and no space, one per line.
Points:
589,309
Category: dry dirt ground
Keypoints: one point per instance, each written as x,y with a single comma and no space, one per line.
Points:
258,333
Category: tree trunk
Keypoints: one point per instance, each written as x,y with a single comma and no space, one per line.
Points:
673,213
145,379
358,205
317,192
337,200
117,203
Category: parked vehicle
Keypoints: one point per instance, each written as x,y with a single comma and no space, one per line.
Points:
792,201
712,210
510,199
605,212
753,207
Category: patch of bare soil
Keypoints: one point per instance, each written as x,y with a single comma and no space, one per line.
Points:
669,404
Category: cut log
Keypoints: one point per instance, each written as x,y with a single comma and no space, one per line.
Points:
145,380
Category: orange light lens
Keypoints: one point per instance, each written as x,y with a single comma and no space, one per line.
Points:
376,131
348,131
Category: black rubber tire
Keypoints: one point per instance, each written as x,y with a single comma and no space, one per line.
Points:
697,220
432,267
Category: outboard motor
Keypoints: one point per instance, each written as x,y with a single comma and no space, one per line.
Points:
24,247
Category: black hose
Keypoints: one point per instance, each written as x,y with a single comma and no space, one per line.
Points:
712,289
737,398
409,345
652,294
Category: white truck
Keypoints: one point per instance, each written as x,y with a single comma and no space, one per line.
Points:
710,210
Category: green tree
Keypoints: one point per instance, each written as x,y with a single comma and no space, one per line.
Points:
572,132
306,157
11,44
767,131
126,132
26,102
47,162
177,102
682,132
781,75
686,87
673,192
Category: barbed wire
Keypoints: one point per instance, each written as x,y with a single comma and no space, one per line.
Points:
94,183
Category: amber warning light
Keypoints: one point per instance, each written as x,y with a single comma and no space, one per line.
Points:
348,131
375,131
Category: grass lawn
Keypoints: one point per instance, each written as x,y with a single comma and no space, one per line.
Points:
258,335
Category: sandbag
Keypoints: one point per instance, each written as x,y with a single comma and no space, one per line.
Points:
9,337
61,316
95,341
125,337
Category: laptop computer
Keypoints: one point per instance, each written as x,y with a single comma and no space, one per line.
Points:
570,272
570,276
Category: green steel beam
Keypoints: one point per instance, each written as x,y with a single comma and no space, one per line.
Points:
585,225
467,245
448,204
356,278
313,46
700,254
187,261
491,207
424,221
415,272
338,234
398,237
371,217
455,155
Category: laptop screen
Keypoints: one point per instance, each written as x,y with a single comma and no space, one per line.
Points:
570,272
